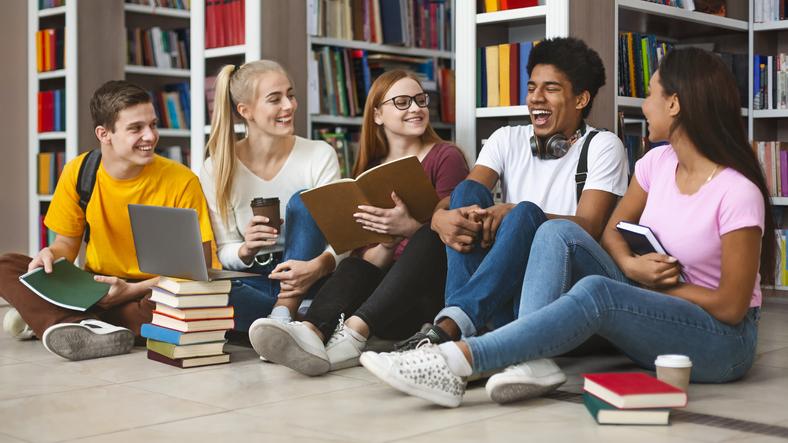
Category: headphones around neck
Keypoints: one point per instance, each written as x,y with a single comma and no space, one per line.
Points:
557,145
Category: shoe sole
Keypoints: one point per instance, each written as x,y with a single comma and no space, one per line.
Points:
371,363
277,346
509,391
76,342
349,363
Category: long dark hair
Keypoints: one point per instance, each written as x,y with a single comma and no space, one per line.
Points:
710,115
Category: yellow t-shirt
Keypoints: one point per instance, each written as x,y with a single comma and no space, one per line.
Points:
111,249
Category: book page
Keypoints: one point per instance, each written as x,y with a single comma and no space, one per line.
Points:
407,178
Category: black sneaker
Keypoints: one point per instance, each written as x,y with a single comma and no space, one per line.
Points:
434,334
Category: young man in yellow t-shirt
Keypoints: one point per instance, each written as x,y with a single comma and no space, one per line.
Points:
130,173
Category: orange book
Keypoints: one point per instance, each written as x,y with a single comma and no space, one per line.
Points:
631,56
491,60
40,51
491,5
45,165
503,74
46,51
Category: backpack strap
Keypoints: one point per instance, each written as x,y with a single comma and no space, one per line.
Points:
86,181
582,165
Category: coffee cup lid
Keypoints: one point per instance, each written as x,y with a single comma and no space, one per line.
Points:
262,201
673,361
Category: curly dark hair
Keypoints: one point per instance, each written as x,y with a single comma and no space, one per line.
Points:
574,58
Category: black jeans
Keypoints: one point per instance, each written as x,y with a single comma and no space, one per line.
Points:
395,302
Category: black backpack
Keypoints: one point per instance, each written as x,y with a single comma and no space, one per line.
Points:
86,181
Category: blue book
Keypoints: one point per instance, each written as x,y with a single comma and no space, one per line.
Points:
525,53
155,332
57,99
756,82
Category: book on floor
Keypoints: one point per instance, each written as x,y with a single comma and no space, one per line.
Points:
333,205
191,325
196,313
190,362
170,350
161,333
606,414
165,297
66,286
179,286
627,390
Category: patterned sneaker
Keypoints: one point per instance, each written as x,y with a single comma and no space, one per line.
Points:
525,380
432,333
421,372
87,339
344,347
289,344
14,326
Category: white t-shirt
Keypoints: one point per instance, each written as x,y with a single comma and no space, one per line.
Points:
310,164
550,184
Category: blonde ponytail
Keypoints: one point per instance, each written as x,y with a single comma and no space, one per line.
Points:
233,86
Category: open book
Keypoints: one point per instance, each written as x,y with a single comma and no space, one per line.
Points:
67,286
333,205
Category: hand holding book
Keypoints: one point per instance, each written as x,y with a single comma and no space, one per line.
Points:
651,266
396,221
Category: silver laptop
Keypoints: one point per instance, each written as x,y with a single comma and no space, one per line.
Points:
168,242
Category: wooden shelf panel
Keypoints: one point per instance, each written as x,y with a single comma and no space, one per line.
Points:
225,51
154,10
502,111
153,70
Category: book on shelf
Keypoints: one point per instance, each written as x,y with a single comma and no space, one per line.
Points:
174,351
225,23
46,236
66,286
344,143
160,295
162,48
210,95
410,23
633,390
333,205
770,81
179,154
180,286
166,321
50,49
502,75
503,5
606,414
773,157
639,57
46,4
160,333
50,166
51,110
172,4
765,11
201,313
173,105
190,362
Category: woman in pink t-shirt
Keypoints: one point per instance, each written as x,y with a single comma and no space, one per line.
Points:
705,198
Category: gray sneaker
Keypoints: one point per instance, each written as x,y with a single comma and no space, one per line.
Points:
87,339
344,347
289,344
525,380
15,326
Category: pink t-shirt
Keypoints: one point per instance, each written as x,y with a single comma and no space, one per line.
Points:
690,226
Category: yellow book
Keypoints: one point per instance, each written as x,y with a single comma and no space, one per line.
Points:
491,5
631,60
503,75
491,60
45,162
47,49
40,51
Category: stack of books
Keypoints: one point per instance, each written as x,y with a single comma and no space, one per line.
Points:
630,398
189,322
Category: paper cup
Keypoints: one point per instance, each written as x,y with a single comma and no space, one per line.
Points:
674,370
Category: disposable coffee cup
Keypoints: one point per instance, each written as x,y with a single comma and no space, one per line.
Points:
267,207
674,369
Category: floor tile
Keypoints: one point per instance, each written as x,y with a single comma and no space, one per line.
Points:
9,361
27,379
390,414
776,359
8,439
234,387
25,350
765,345
92,411
223,427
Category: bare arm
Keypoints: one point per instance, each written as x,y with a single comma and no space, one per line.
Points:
593,210
63,246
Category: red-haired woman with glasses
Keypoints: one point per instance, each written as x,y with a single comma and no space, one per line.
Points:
387,289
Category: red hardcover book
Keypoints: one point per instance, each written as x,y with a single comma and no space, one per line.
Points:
189,362
237,20
514,74
164,320
52,49
516,4
40,111
43,240
221,23
210,24
49,111
242,40
628,390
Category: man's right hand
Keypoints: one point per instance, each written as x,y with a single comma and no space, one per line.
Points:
44,259
455,227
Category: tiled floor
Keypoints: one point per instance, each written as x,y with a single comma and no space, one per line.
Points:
130,399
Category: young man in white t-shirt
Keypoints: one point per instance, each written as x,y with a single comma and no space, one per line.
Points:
488,244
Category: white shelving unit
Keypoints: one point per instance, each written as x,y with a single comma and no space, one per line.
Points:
534,23
67,79
252,49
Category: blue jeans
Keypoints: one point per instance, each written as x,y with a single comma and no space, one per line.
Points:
640,322
483,285
254,297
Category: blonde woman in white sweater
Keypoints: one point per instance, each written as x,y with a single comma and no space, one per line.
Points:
269,162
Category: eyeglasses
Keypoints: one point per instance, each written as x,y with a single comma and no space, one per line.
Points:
402,102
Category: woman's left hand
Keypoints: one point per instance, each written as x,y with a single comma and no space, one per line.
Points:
395,221
296,276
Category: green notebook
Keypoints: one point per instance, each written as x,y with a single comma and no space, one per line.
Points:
67,286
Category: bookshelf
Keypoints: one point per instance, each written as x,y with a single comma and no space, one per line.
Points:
475,29
425,42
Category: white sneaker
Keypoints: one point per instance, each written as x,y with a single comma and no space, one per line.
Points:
290,344
422,372
525,380
87,339
15,326
344,347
